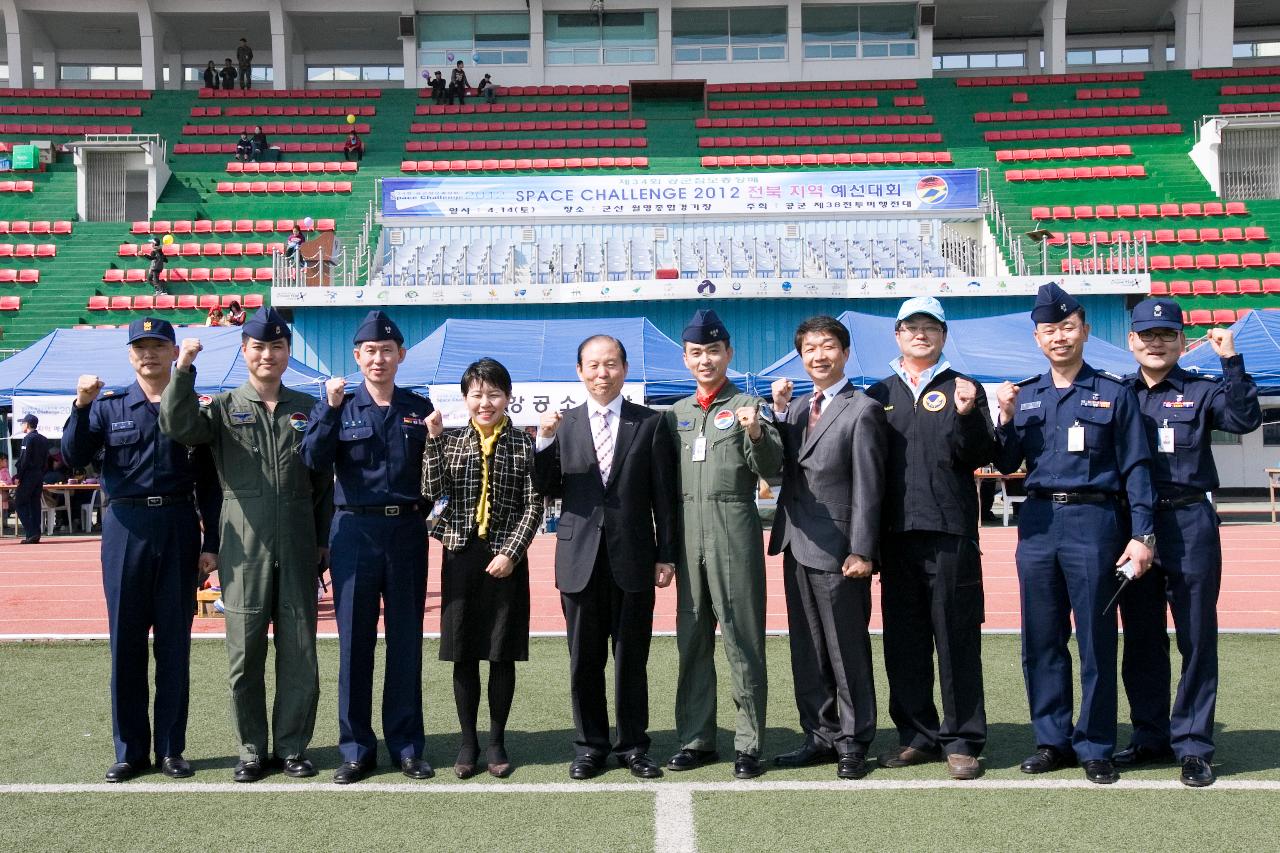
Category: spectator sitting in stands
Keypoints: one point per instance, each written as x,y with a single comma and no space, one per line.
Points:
437,89
214,317
295,240
228,75
259,140
353,148
458,84
211,76
244,148
158,259
235,314
487,89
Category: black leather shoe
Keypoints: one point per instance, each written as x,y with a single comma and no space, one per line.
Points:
248,771
585,767
1100,771
31,540
497,762
692,759
175,767
464,767
641,765
1137,756
805,756
1196,772
123,771
352,771
1048,758
852,765
298,767
747,766
416,768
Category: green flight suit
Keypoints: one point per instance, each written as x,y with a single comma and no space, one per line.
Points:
275,513
720,576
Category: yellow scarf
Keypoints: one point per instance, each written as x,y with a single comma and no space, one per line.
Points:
487,444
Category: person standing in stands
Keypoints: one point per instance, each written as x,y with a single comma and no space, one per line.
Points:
155,268
458,84
228,74
273,534
211,76
488,90
244,59
438,87
28,476
152,552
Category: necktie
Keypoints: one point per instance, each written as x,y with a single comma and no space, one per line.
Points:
815,409
604,445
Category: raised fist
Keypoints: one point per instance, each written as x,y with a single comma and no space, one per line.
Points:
1007,397
966,393
749,417
549,424
782,390
435,424
188,351
334,390
88,387
1223,342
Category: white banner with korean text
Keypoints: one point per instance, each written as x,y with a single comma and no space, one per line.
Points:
529,400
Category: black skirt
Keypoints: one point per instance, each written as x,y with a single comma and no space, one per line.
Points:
483,617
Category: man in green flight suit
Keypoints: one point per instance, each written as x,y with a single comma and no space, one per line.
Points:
275,515
725,447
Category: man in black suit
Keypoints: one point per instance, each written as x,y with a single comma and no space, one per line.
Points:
28,476
612,464
827,527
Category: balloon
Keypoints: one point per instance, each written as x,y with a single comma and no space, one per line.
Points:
351,119
306,224
449,56
167,239
475,57
426,75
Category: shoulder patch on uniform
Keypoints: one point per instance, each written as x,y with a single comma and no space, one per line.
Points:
766,412
108,393
1111,376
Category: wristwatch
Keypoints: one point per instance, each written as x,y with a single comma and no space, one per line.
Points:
1149,540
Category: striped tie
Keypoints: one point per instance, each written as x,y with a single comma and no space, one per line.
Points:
815,409
604,445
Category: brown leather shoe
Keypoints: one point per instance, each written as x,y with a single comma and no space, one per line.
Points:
906,756
963,767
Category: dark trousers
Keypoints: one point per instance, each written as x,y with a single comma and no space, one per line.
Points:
828,615
379,563
246,77
931,596
600,618
1066,568
1187,576
458,93
29,508
149,557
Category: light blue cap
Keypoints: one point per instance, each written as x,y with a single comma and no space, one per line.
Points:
922,305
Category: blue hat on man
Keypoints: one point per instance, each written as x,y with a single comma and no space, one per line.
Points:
377,326
1156,314
267,325
705,328
1053,304
922,305
30,420
151,327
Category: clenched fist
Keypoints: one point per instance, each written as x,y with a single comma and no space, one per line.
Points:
749,417
188,351
435,424
1223,342
335,389
966,394
88,387
1007,397
549,423
782,389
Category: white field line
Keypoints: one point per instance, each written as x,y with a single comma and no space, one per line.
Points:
673,825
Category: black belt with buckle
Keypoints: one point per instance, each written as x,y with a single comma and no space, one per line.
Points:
1073,497
155,500
1179,501
389,511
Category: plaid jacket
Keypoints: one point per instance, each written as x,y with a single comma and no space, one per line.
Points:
451,466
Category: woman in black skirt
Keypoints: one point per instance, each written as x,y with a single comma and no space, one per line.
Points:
486,470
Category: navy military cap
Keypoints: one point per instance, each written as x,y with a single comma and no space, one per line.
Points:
1053,304
30,420
1156,314
705,328
151,327
377,326
267,325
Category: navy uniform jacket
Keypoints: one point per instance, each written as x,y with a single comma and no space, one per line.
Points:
29,470
1117,456
376,454
138,460
1193,406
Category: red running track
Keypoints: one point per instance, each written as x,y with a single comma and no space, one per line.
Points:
55,588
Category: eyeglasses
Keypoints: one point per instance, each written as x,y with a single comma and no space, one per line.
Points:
1167,336
914,330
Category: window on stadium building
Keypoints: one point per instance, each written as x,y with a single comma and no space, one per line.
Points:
1110,56
883,31
100,73
353,73
604,38
978,61
729,35
1255,50
486,39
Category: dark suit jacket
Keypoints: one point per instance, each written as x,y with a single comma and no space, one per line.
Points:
832,481
29,470
635,512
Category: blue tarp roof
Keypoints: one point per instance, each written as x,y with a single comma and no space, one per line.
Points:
53,364
990,349
1257,338
547,351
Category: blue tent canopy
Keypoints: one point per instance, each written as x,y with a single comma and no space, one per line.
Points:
547,351
990,349
1257,338
53,364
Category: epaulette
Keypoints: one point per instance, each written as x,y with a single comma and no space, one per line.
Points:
1109,375
109,393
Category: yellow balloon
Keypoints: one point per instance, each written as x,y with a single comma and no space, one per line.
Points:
351,119
167,239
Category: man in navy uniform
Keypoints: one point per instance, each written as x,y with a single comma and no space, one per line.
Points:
152,557
28,476
1080,432
1180,410
373,439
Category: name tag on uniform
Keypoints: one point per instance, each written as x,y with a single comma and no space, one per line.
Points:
1179,404
119,425
1075,439
242,418
1165,439
1028,406
1096,404
699,452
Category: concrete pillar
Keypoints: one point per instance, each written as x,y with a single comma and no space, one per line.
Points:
281,44
1204,33
18,37
924,50
409,52
151,33
537,40
664,38
795,40
1053,16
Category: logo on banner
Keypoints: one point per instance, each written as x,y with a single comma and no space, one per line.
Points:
706,288
932,189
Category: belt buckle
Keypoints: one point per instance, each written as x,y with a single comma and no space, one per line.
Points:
1060,497
391,510
155,501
